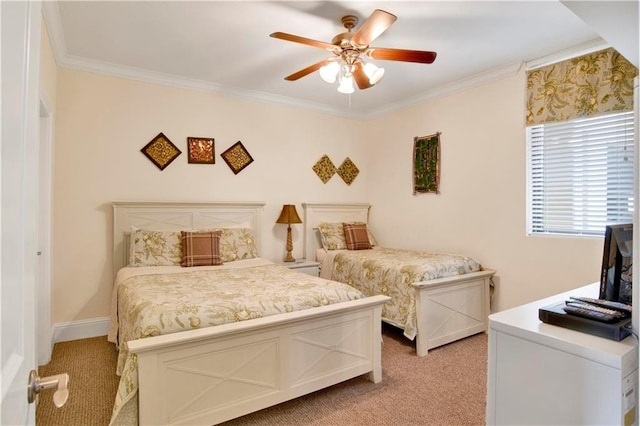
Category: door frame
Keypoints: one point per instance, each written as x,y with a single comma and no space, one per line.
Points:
45,196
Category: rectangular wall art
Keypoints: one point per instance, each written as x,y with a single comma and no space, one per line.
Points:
426,164
201,150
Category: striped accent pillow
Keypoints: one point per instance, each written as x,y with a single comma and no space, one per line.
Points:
201,248
356,236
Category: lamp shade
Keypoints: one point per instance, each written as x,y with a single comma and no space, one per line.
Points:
346,85
329,72
289,214
373,72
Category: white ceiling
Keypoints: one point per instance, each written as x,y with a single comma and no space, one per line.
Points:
224,46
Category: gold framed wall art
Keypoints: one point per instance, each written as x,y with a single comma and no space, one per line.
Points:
161,151
201,150
237,157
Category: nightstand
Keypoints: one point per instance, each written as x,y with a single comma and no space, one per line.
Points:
305,266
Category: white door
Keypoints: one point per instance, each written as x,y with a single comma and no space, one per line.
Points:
20,56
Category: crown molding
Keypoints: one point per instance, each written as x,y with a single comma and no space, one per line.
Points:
63,59
451,88
51,15
579,50
114,70
93,66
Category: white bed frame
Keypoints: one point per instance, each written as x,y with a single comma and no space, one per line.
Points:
214,374
447,309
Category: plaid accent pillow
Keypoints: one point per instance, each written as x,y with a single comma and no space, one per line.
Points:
201,248
356,236
372,239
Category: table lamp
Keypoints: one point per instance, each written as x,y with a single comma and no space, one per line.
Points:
289,215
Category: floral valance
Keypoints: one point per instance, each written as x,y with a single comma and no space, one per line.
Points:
592,84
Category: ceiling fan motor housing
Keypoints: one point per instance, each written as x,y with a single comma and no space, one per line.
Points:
343,40
349,22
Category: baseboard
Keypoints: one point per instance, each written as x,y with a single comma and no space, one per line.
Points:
83,329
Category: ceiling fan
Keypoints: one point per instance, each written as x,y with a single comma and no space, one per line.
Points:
350,49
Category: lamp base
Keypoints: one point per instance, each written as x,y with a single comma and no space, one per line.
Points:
288,257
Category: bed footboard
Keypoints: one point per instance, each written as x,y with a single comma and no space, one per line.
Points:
451,308
215,374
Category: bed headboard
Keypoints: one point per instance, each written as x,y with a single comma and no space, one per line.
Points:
314,213
180,216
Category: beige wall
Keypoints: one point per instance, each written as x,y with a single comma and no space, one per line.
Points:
481,210
103,122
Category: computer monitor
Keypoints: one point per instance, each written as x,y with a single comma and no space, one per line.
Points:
617,261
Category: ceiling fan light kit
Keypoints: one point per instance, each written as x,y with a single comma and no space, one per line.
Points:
329,72
373,72
348,47
346,85
343,72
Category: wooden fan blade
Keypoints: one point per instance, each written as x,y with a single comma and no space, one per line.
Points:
360,77
375,25
385,54
302,40
308,70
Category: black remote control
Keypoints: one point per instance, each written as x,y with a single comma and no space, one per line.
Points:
590,307
586,313
606,304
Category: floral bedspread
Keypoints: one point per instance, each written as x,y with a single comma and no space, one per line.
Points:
391,272
153,301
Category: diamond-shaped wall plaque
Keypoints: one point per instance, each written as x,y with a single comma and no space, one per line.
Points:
324,168
161,151
237,157
348,171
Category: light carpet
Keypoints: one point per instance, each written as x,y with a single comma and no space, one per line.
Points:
447,387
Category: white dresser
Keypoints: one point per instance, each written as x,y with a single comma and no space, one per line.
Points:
548,375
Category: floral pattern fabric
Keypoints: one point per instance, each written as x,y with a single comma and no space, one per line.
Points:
155,248
332,236
164,248
391,272
157,301
596,83
237,244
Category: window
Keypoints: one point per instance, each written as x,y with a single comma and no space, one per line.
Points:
580,174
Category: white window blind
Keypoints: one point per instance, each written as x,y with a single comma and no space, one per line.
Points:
580,175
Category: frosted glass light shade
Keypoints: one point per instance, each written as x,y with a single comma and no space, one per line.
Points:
346,85
373,72
329,72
